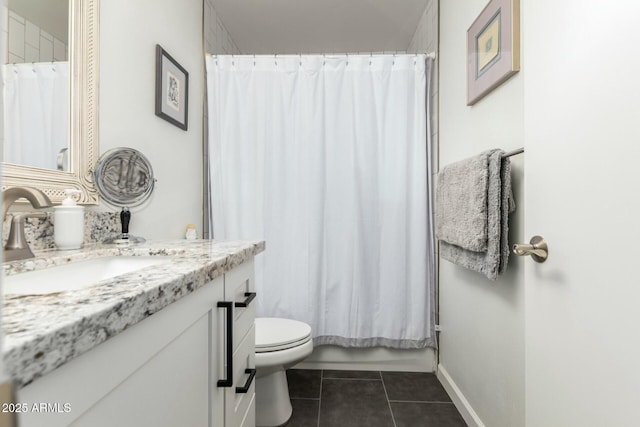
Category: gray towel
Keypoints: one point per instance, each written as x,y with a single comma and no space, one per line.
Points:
499,203
461,203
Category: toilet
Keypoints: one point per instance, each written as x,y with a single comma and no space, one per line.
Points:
280,344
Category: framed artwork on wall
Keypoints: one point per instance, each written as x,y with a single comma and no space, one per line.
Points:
493,48
172,89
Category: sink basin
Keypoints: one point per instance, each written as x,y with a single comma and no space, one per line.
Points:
76,275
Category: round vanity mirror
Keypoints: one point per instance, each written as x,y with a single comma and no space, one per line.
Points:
124,178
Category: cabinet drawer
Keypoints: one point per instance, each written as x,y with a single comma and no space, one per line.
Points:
237,403
237,284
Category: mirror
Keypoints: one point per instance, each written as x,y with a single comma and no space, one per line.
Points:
73,164
36,84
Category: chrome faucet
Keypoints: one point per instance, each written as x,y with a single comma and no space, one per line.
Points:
17,246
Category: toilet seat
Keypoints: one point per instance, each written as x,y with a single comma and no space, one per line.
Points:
273,334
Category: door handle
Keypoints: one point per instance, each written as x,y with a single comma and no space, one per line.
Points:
537,248
228,382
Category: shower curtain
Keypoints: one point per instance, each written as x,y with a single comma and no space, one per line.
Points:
327,159
36,112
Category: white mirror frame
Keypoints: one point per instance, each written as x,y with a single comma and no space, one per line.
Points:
83,115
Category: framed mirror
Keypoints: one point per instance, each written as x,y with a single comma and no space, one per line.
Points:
78,160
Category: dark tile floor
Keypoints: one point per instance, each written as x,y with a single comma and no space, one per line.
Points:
369,399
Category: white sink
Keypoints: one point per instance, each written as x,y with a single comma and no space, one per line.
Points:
76,275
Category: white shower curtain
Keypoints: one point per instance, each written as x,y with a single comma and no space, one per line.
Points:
326,159
36,101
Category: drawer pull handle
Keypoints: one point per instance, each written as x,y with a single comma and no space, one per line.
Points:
250,296
252,375
228,382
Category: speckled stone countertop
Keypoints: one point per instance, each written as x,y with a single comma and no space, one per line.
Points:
42,332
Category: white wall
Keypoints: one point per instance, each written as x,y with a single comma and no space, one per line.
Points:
482,338
4,52
4,21
129,31
128,34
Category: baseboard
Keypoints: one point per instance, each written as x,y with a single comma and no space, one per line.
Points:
471,418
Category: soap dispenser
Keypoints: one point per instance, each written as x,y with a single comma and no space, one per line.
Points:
68,223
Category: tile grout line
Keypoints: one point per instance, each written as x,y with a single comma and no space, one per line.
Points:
320,397
384,387
354,379
420,401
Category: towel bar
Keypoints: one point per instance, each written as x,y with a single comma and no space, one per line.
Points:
513,153
537,248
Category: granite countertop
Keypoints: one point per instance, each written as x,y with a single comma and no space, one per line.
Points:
42,332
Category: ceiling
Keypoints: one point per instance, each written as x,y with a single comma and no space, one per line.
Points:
317,26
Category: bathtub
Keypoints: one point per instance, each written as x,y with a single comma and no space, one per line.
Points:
370,359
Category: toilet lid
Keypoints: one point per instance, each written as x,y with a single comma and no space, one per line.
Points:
278,334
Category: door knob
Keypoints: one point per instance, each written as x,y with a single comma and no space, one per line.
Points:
537,248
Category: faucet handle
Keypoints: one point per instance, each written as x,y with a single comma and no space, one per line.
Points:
17,239
17,247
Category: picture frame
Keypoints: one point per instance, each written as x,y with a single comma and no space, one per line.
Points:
172,89
493,48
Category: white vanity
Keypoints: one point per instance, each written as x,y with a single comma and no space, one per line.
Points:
150,347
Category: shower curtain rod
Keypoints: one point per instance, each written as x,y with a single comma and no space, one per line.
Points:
513,153
431,55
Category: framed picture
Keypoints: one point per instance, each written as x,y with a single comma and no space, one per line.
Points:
172,89
493,48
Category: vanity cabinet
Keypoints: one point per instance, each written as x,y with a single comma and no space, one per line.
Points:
171,369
